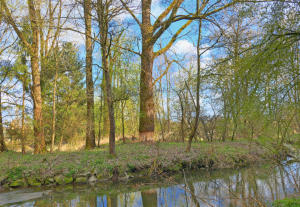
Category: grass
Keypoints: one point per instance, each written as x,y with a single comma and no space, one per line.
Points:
131,159
287,202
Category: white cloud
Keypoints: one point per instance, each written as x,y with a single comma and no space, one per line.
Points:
156,8
74,37
184,47
135,7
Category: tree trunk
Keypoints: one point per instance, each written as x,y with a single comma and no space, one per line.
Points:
39,139
105,131
110,109
182,120
100,118
146,127
90,127
194,130
105,49
23,116
53,113
2,143
168,101
123,103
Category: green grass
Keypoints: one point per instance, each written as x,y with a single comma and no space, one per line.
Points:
131,158
287,202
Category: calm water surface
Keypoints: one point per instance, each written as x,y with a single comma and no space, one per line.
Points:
255,186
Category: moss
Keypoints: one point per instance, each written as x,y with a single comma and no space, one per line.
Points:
33,182
17,183
68,180
80,180
59,179
49,181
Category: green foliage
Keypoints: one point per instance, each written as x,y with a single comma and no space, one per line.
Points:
16,172
287,202
70,93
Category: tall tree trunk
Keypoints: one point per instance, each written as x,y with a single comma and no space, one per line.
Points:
2,143
161,117
100,118
112,127
105,109
102,12
23,115
146,127
39,139
90,124
53,113
168,101
123,104
194,130
182,117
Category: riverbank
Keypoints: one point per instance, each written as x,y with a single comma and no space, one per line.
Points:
133,160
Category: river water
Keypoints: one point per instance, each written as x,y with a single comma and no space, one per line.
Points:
253,186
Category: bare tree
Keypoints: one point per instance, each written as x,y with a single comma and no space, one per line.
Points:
150,34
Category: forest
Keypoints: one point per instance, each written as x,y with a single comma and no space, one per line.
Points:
127,86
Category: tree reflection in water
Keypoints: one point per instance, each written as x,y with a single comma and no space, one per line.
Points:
224,188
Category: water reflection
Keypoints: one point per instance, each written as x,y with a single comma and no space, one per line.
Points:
226,188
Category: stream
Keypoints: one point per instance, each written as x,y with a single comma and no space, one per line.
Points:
253,186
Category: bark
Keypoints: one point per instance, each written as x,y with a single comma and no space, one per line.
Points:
194,130
100,118
111,115
39,139
90,127
123,104
23,117
105,109
105,50
146,127
161,117
53,113
182,117
2,143
168,101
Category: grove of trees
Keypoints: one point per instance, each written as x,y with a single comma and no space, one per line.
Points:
79,73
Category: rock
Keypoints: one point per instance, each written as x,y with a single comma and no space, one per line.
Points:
49,181
99,176
60,179
33,182
80,180
68,180
92,179
17,183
